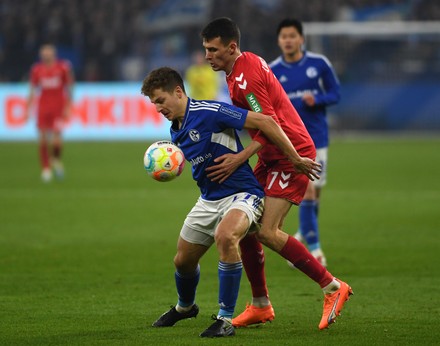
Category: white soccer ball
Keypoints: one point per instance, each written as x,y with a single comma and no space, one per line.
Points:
164,161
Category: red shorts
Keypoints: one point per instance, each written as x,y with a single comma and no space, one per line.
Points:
50,119
280,180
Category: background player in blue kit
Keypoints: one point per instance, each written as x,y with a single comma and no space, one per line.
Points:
225,212
311,84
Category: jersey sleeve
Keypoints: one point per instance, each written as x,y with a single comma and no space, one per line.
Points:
257,97
34,76
67,73
229,116
331,86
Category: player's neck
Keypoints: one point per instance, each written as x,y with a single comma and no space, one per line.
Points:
293,57
229,67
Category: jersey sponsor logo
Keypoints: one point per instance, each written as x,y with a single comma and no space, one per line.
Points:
232,113
51,82
300,93
194,135
200,159
253,103
311,72
239,79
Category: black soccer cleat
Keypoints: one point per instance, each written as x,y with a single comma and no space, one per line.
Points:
219,328
172,316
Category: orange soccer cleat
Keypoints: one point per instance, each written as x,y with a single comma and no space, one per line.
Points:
333,304
254,315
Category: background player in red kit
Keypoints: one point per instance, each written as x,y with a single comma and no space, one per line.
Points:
252,85
53,79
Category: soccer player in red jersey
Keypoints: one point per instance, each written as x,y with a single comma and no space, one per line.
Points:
252,85
53,79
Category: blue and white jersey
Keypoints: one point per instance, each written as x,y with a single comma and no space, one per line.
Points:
312,74
209,131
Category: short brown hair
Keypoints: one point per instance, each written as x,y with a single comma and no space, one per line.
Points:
164,78
222,27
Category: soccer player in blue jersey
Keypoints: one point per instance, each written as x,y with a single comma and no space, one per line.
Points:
311,84
224,213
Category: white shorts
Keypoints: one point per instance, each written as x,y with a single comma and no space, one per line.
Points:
322,158
202,221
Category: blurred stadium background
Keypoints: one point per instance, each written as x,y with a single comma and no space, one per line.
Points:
386,53
88,261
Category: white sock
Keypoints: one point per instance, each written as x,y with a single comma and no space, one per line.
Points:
331,287
183,309
260,302
227,319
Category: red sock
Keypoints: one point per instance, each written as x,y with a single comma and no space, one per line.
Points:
296,253
252,256
56,151
44,155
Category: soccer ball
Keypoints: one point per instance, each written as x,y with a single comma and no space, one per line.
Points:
164,161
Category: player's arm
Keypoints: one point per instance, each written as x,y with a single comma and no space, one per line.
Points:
330,83
70,80
276,135
228,163
30,100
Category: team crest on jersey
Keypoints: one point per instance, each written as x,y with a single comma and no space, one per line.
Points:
194,135
311,72
283,79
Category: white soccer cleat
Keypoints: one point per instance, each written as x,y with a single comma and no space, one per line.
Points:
298,236
58,169
319,255
46,175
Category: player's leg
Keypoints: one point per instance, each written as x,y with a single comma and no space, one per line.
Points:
43,147
243,211
252,255
57,146
187,277
336,292
309,207
308,224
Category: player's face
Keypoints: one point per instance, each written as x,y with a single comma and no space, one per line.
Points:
168,103
290,41
219,56
47,54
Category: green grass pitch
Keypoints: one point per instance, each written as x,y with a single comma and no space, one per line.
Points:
88,261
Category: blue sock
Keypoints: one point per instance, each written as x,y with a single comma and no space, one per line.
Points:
229,275
186,285
308,224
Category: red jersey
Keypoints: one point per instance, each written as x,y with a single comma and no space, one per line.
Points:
52,81
252,85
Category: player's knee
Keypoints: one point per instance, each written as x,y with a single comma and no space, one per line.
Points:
265,235
226,240
184,263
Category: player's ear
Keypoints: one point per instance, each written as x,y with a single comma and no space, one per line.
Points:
232,47
179,92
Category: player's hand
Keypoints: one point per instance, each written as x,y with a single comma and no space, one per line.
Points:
66,112
308,167
226,165
309,100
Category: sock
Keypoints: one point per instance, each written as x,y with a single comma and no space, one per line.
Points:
44,156
308,223
229,275
186,285
56,151
252,255
331,287
297,254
